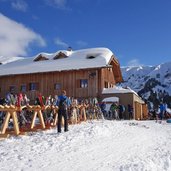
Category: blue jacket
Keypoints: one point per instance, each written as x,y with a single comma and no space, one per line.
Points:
161,108
62,97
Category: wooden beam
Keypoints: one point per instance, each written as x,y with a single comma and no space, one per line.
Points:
33,119
5,123
15,121
41,119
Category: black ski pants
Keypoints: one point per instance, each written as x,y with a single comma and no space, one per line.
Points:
63,113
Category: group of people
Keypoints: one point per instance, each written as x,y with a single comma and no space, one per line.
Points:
68,108
117,111
160,113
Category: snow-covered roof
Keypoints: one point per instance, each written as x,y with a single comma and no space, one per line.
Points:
5,60
117,89
111,99
75,60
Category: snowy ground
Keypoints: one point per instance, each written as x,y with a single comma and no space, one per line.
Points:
92,146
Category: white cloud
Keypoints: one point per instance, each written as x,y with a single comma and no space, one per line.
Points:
134,62
19,5
81,44
61,43
15,38
60,4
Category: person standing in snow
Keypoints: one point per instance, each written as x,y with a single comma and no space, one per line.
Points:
165,109
114,110
121,111
63,103
162,110
103,108
130,111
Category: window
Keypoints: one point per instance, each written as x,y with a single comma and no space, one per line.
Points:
12,89
33,86
84,83
60,55
109,69
23,88
90,57
57,86
106,84
40,57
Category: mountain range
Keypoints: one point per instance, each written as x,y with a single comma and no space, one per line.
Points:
152,83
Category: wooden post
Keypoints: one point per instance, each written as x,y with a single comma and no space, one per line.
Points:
41,119
5,123
10,111
33,119
37,110
15,121
55,112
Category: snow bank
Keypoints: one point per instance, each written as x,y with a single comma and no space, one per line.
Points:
97,145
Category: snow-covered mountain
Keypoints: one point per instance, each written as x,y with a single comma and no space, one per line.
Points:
152,83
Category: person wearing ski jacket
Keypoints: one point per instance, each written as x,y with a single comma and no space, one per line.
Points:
63,103
162,110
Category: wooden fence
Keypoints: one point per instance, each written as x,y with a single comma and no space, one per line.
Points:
11,112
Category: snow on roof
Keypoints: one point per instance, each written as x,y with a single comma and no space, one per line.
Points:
5,60
75,60
118,90
111,99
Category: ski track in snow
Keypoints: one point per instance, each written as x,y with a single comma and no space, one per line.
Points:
91,146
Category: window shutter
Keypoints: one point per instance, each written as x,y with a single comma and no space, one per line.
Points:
78,83
37,86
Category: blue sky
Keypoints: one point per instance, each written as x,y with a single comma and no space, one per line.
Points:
137,31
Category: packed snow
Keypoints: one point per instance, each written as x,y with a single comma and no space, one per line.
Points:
91,146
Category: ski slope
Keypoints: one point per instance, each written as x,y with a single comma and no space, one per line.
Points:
92,146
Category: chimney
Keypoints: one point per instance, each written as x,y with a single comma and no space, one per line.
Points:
69,48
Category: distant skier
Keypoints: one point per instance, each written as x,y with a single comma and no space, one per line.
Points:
162,110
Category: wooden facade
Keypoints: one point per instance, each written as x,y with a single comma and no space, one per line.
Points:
82,83
140,110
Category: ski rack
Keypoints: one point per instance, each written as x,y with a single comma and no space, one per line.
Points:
11,112
82,112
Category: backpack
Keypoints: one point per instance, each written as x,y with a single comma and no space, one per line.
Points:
2,101
63,104
123,108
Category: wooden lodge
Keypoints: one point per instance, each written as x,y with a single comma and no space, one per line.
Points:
127,96
83,73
